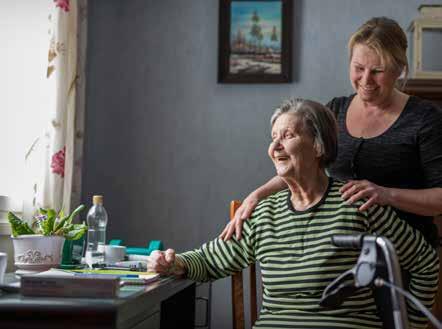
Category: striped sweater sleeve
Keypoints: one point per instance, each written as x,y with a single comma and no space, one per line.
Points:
218,259
415,255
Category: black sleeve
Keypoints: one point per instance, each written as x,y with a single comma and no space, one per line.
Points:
430,145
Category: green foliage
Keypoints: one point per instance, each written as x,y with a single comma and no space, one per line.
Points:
18,227
68,219
48,222
74,231
47,225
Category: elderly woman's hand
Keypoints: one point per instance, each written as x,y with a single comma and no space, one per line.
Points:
165,262
364,189
242,213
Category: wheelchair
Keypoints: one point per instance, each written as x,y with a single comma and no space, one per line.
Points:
377,253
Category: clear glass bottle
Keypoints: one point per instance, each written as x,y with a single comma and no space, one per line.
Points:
96,234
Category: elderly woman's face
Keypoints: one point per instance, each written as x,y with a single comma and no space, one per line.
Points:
371,80
292,147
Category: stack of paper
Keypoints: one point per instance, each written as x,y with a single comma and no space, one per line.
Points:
68,284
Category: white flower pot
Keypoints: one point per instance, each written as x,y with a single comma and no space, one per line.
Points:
37,252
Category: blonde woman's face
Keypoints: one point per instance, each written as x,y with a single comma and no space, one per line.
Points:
370,78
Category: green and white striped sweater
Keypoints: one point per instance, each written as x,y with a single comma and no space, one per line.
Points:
298,261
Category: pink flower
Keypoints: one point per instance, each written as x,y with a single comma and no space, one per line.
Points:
57,163
63,4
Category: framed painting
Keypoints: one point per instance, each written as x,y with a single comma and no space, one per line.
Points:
255,41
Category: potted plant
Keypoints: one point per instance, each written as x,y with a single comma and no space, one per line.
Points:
38,247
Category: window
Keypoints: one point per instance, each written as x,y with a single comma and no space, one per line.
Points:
27,96
7,204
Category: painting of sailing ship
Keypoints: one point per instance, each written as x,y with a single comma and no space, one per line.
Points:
255,37
255,41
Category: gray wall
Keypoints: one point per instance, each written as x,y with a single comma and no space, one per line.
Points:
168,146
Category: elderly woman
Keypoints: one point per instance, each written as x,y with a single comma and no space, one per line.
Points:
289,234
390,143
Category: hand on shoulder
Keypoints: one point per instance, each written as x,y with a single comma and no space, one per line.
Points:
355,190
242,213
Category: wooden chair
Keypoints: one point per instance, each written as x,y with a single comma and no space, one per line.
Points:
238,310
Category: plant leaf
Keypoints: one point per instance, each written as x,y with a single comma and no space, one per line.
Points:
75,213
18,226
67,220
58,219
47,225
74,231
58,224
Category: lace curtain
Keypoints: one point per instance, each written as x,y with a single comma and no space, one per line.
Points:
60,148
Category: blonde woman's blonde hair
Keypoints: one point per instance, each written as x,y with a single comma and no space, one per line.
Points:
387,39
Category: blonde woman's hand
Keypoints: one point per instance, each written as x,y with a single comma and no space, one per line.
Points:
242,213
355,190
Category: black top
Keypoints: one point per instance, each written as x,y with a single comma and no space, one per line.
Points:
407,155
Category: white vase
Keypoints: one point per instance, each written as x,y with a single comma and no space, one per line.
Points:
37,252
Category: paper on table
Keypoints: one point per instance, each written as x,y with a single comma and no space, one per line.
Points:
141,275
145,279
56,272
129,277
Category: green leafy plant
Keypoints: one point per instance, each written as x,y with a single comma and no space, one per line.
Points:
49,222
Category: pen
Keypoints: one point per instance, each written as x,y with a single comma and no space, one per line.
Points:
104,275
118,267
121,268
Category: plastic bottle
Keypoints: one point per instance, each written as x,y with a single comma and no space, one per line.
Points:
96,234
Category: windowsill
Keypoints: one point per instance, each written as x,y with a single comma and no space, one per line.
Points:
8,204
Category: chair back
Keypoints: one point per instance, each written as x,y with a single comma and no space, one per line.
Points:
238,310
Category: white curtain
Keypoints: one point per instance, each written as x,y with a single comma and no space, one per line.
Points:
62,67
60,147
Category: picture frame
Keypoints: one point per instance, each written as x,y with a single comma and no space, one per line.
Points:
255,41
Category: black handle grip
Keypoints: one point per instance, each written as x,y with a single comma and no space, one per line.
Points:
348,241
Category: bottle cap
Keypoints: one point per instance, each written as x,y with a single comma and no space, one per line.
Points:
97,199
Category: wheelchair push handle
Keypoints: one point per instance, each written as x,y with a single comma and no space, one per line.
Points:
348,241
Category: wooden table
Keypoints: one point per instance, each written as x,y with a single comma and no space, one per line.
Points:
169,303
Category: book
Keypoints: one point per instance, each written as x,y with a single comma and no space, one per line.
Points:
61,283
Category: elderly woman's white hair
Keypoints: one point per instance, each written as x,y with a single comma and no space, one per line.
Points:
318,121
